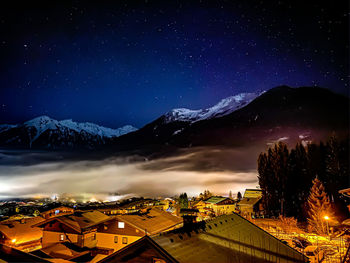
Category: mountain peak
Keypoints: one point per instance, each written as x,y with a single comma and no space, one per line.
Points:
64,131
223,107
40,119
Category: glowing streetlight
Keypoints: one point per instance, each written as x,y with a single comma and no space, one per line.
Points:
327,218
14,240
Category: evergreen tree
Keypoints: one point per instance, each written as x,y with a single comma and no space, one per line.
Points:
266,181
285,178
239,196
183,201
207,194
319,206
273,175
337,166
298,183
230,194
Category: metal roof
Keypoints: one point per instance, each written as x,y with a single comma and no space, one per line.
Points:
22,230
227,238
215,199
80,220
153,222
249,201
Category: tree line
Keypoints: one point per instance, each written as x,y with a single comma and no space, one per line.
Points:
286,176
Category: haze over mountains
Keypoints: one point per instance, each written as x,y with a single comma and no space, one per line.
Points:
283,113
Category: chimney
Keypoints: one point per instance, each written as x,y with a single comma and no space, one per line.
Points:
189,216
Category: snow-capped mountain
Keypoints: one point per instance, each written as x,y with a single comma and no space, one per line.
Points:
279,114
44,123
224,107
5,127
45,132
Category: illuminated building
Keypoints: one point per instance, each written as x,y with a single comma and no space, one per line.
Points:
21,234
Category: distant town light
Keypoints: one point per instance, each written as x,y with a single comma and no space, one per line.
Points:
326,217
93,200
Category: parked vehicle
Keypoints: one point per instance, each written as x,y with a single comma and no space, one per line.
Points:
314,253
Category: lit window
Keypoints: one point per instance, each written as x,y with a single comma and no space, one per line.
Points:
61,237
116,239
94,237
125,240
121,224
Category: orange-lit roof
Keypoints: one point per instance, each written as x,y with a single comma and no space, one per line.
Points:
21,230
57,208
112,227
80,220
153,222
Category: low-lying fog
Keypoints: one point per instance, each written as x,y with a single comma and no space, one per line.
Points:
29,174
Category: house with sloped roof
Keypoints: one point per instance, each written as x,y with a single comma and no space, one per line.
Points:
153,221
78,228
95,231
20,234
219,205
116,234
57,210
252,193
227,238
145,250
251,203
127,229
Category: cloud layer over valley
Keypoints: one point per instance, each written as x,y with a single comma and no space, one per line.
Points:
29,174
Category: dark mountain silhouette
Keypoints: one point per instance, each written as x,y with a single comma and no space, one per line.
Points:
292,114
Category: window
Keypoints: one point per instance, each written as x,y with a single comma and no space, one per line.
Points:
61,237
125,240
94,237
115,239
121,224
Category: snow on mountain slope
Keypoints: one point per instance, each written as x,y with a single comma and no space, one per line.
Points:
5,127
46,133
224,107
95,129
43,123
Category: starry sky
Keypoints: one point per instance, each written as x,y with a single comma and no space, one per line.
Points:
128,62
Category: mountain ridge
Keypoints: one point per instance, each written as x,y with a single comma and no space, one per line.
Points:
282,113
222,108
44,126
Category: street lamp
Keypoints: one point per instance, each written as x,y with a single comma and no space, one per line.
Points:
327,218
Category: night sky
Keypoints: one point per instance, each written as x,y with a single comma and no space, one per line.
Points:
128,62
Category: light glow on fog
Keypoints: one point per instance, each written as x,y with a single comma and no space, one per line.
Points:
112,179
